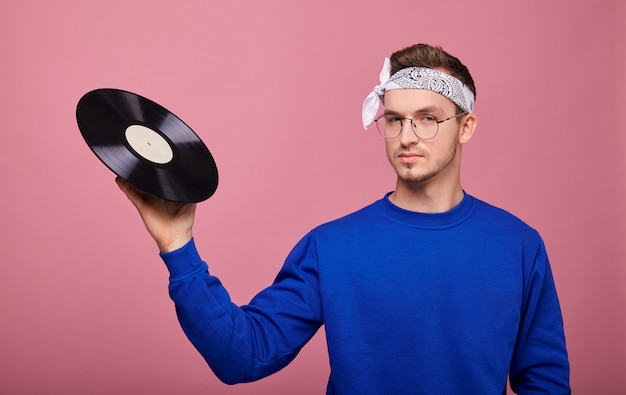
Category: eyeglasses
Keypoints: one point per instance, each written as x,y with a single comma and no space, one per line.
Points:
424,126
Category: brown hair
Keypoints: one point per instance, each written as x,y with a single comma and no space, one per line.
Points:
424,55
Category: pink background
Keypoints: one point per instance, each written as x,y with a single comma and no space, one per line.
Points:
274,88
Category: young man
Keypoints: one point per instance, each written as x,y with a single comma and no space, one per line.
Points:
425,291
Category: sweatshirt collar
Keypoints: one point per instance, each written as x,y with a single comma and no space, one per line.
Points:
451,218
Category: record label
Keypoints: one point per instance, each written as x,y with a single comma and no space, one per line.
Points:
147,146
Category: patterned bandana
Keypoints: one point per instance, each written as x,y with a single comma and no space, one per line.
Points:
416,78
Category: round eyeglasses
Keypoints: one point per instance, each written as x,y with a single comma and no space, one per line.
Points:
424,126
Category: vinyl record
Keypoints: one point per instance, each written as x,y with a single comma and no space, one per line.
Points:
147,146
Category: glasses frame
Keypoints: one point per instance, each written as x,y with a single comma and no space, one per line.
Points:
413,127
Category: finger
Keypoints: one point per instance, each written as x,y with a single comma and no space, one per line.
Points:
131,193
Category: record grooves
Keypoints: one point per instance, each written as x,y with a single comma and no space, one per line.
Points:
147,146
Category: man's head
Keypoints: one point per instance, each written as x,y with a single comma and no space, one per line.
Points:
428,98
432,57
423,66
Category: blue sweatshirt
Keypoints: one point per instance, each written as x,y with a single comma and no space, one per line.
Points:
412,303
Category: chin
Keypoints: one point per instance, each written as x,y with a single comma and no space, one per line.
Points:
409,177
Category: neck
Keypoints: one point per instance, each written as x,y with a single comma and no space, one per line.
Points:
426,198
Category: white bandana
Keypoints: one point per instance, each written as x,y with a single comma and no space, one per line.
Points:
416,78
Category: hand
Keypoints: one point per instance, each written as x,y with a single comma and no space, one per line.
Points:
169,223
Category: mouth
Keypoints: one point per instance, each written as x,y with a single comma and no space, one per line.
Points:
409,157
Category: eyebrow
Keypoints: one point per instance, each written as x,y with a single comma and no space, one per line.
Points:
424,110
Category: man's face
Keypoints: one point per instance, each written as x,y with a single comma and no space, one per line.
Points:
415,160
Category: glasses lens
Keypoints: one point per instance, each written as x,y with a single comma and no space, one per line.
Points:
425,126
389,126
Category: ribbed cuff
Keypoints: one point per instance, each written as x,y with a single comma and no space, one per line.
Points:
182,261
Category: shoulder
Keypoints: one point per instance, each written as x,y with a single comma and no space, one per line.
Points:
340,233
355,219
487,211
500,221
347,229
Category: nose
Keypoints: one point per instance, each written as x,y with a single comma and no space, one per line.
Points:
407,134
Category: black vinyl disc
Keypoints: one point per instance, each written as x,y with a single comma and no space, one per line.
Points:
147,146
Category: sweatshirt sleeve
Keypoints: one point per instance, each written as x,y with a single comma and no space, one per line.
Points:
246,343
540,362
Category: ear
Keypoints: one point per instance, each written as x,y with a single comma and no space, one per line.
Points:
467,127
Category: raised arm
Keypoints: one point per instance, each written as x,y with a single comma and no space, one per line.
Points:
240,344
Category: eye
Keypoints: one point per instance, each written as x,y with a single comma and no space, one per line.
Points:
391,118
426,118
